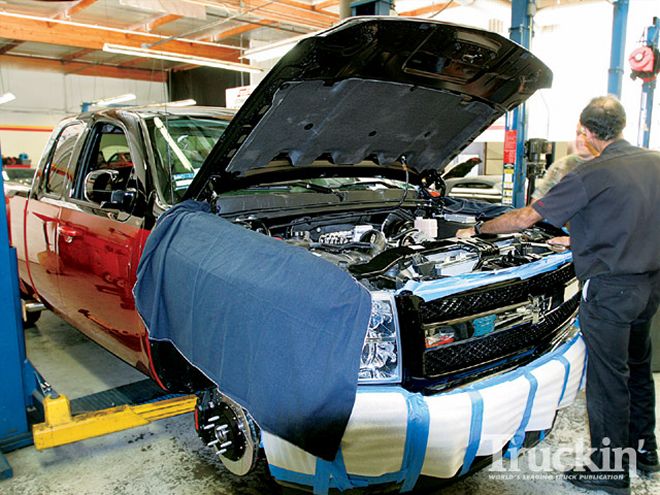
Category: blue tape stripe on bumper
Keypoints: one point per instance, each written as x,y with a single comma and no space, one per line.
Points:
567,371
516,442
332,475
417,435
583,377
476,424
340,477
321,480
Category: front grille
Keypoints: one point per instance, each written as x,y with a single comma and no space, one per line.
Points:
474,352
493,297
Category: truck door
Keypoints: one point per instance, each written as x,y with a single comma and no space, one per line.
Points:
100,244
42,214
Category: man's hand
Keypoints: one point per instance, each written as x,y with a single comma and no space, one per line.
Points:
511,221
560,244
465,233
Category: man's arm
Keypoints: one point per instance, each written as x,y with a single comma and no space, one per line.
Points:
512,221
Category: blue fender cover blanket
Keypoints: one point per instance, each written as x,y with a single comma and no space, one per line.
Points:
277,329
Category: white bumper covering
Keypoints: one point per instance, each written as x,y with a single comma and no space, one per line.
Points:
394,435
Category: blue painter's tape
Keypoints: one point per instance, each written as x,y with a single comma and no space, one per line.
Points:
321,481
584,373
339,476
516,442
435,289
417,436
567,370
476,424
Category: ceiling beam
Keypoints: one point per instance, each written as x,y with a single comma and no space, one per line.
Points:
57,32
300,5
9,46
74,9
324,5
84,69
82,4
148,27
228,33
157,22
77,54
237,31
288,11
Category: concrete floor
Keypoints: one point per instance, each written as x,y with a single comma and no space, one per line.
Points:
166,457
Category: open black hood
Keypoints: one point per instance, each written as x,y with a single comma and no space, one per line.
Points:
384,90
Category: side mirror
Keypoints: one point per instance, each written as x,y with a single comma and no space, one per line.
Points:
102,187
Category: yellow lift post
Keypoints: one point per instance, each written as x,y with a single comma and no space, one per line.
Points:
61,428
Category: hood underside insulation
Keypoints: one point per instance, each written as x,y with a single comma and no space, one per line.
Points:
349,122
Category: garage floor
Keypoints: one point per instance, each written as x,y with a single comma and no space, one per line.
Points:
166,457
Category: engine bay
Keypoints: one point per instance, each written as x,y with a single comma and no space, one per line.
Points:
384,249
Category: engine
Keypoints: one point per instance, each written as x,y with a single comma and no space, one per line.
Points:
385,250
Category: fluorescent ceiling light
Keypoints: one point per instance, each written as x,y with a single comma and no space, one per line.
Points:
7,97
113,100
179,57
273,50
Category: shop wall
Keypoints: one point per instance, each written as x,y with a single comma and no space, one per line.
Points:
44,98
205,85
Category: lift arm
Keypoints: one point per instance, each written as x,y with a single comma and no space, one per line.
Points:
61,427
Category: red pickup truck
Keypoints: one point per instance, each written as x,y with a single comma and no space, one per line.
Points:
336,157
77,246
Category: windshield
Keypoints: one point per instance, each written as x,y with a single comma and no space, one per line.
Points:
181,144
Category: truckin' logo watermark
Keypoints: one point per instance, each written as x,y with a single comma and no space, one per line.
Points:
545,462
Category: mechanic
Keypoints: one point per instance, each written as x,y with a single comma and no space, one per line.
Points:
613,205
579,152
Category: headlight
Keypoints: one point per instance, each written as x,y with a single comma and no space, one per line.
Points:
379,362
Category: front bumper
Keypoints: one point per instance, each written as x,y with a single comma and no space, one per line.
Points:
394,436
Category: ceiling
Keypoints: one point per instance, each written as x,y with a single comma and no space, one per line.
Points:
68,36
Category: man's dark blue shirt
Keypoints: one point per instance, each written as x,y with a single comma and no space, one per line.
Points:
613,205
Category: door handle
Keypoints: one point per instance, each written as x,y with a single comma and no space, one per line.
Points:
69,233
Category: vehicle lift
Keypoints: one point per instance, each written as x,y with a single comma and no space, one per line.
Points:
520,156
514,173
25,394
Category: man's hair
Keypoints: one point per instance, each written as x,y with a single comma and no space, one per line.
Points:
605,117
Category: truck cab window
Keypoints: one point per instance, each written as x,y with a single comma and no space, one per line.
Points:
107,149
56,171
181,144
